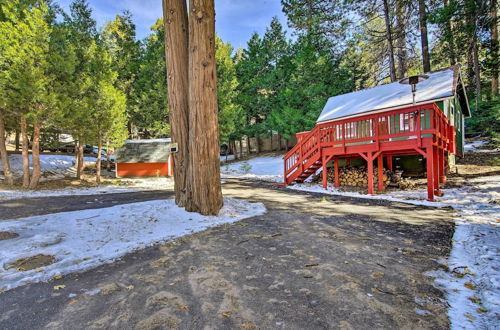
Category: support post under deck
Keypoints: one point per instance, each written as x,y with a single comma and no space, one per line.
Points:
336,169
436,162
324,174
389,162
369,160
380,170
430,173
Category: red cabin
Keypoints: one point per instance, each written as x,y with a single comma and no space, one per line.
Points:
421,115
144,158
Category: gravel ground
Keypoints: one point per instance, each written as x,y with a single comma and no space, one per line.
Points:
310,262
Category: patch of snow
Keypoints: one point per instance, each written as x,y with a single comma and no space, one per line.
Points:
53,166
474,146
331,190
223,158
421,312
265,168
127,185
81,240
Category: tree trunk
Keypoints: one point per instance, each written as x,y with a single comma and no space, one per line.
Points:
248,146
401,39
390,47
204,130
79,157
450,37
235,149
494,47
424,42
271,141
241,148
108,157
257,144
35,152
98,161
17,140
176,51
5,156
473,56
25,155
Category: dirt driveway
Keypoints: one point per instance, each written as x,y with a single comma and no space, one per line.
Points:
309,263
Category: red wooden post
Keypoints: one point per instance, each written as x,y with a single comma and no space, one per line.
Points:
389,162
324,174
436,171
380,168
430,173
336,169
369,160
442,161
347,161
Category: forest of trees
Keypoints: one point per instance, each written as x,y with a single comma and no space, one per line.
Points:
60,72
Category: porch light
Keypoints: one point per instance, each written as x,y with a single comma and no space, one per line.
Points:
413,81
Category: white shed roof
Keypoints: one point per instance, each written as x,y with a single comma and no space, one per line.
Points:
440,85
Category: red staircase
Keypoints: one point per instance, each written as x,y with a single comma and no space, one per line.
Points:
305,158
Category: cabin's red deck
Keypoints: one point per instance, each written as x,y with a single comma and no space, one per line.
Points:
422,129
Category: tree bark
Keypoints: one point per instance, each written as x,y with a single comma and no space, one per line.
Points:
98,161
401,40
25,155
257,144
108,157
424,41
175,19
35,152
79,157
235,149
203,131
450,37
17,140
4,155
494,47
390,47
248,146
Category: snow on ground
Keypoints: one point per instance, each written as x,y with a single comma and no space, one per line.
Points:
125,185
475,146
223,158
265,168
53,166
85,239
472,284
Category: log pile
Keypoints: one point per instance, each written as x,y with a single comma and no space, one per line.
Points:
357,177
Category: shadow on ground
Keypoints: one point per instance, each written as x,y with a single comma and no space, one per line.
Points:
308,263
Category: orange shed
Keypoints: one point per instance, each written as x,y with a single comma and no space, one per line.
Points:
145,158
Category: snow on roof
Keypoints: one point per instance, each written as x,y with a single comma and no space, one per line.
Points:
149,140
439,85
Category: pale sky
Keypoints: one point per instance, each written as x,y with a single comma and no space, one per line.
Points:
236,20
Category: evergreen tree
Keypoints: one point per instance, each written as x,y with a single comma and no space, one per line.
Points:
119,36
152,115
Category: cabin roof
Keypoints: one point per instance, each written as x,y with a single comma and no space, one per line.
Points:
440,85
144,151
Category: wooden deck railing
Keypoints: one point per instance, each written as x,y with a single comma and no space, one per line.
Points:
416,122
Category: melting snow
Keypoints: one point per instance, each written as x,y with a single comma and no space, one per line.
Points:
266,168
85,239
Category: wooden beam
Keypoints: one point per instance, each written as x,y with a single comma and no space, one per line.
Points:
336,169
430,173
380,170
